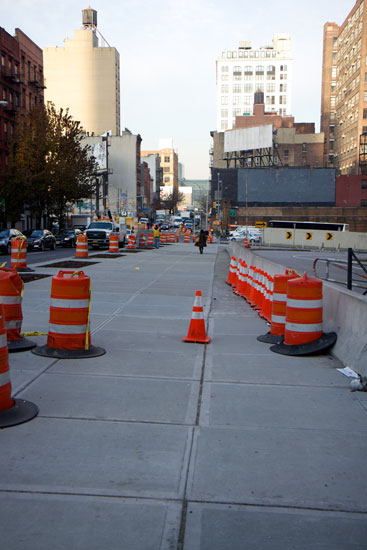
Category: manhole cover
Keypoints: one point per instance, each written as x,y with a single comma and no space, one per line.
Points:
108,255
29,277
71,263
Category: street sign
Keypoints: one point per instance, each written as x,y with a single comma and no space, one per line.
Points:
308,236
289,235
329,236
232,213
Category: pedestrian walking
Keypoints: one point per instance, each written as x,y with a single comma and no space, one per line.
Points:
200,241
156,235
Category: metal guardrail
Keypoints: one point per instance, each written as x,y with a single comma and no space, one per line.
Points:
355,270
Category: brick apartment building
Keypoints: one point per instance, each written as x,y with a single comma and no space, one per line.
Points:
21,83
344,90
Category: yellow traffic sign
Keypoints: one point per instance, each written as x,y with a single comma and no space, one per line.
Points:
289,235
308,236
329,236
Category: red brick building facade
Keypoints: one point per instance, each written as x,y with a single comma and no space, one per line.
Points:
21,83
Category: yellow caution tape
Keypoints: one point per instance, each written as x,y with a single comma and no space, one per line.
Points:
34,333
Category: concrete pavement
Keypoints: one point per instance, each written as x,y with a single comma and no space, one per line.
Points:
164,445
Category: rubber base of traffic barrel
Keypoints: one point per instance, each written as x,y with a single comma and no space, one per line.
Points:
20,412
46,351
270,338
23,344
322,344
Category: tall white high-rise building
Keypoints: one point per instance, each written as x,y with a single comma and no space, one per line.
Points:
242,72
85,78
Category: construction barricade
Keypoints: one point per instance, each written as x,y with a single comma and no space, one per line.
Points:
69,328
232,271
150,240
142,240
18,257
303,334
114,243
11,295
131,242
12,411
197,332
81,250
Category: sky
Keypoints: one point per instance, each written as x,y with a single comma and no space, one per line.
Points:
168,51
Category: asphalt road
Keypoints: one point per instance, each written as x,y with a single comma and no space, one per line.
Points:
34,257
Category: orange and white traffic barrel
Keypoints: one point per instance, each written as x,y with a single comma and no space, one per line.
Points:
131,242
246,243
69,327
11,295
150,240
279,306
81,250
114,243
12,411
142,240
18,258
303,333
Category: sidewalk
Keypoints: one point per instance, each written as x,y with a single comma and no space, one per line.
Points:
164,445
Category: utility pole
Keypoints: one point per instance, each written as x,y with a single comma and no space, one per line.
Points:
218,200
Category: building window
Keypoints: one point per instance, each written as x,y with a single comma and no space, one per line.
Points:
237,73
270,100
224,113
283,87
364,184
304,147
364,97
364,129
167,159
364,113
270,87
247,100
283,67
224,100
363,202
224,89
237,88
259,88
224,77
331,130
286,153
331,145
224,69
283,100
333,72
259,72
236,100
165,179
248,88
247,72
333,86
236,112
270,72
282,112
332,101
224,125
165,168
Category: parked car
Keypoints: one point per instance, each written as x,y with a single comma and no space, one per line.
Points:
252,236
6,236
68,237
165,226
40,239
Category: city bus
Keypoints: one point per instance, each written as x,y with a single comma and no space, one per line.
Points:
323,226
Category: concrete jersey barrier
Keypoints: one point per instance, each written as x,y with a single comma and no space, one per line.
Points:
344,312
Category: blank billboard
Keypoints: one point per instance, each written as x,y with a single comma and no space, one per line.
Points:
246,139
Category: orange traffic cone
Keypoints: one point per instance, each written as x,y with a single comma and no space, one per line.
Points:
197,325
